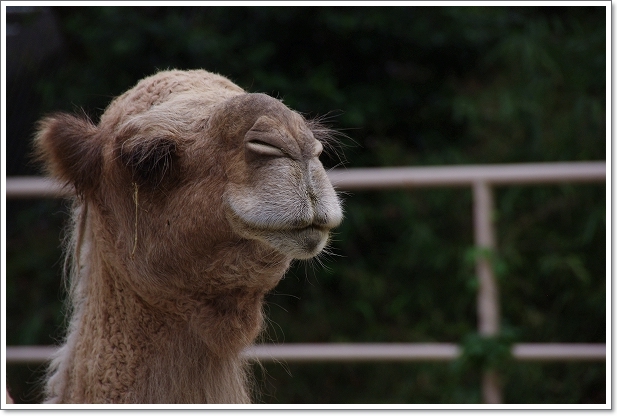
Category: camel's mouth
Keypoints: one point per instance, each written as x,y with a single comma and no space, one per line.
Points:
297,242
312,227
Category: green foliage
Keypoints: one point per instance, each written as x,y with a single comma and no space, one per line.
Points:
34,288
409,86
485,352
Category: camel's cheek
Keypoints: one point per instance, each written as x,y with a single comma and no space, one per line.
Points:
165,239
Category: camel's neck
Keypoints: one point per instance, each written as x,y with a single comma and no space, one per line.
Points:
122,349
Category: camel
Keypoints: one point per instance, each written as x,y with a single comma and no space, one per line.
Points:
192,197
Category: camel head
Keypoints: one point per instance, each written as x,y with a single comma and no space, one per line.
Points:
186,168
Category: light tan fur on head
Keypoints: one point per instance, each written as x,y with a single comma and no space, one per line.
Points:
193,198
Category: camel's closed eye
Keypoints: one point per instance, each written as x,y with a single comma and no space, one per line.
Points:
264,148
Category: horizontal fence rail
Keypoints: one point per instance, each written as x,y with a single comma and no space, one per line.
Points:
364,352
481,179
435,176
381,178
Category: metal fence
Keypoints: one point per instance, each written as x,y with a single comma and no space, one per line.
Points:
481,179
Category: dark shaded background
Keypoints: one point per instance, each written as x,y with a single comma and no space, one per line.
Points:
409,86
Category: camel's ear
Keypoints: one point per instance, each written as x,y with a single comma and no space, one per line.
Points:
69,148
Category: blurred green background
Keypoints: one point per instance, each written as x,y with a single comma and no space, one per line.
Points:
409,86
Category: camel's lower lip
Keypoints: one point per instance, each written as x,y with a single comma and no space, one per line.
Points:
308,231
306,234
309,241
300,243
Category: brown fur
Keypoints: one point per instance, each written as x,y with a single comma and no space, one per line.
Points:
192,199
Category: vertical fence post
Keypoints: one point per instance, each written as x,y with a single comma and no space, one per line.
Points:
488,307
